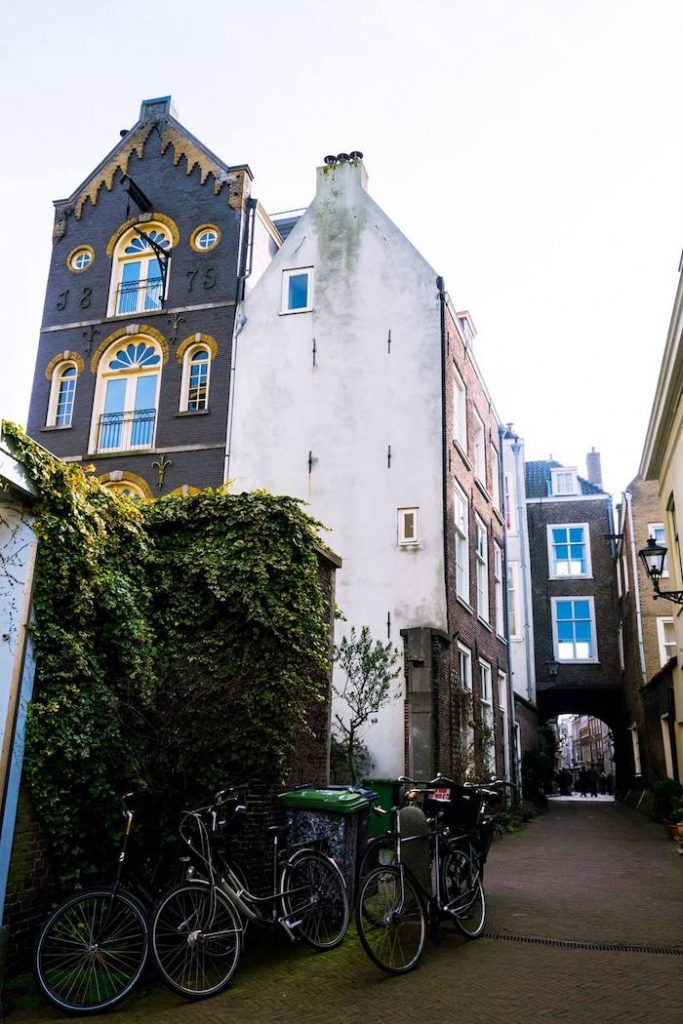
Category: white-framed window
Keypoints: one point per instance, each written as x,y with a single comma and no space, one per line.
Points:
137,284
408,533
479,446
462,543
126,396
486,701
574,629
564,481
495,481
297,290
666,744
675,550
633,730
504,722
482,565
459,410
205,238
62,395
465,666
194,389
514,617
657,531
498,585
569,551
510,511
666,637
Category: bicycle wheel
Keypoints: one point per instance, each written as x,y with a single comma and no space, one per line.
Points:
196,940
391,919
464,893
314,899
91,951
379,851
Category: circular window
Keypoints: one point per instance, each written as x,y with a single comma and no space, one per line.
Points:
79,259
205,238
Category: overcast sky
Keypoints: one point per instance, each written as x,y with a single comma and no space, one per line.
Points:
531,149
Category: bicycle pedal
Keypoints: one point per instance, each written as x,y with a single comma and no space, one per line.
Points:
289,927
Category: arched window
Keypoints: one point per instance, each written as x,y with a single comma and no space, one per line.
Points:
195,385
62,394
126,487
127,394
137,281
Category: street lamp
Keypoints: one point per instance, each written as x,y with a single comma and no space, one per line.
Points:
653,557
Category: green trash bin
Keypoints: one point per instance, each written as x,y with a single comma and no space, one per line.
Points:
388,796
338,815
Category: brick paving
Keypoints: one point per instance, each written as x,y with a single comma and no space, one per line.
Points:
587,871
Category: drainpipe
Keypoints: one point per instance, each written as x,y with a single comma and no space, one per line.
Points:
512,718
636,586
244,267
444,437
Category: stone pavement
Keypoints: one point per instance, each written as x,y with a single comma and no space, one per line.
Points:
565,896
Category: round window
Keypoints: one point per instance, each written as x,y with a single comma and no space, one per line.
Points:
205,238
79,259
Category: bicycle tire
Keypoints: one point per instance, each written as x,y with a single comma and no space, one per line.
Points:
465,901
379,851
91,951
391,918
315,902
196,940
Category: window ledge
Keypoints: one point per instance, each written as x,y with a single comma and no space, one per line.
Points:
463,602
574,576
408,545
499,515
288,312
45,430
580,661
501,637
485,624
193,412
123,453
482,488
462,453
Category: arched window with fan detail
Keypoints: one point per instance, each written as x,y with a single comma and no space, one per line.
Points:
127,396
138,284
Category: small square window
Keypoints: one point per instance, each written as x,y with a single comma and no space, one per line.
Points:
407,526
297,291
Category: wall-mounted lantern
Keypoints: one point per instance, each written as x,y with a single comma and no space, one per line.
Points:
653,557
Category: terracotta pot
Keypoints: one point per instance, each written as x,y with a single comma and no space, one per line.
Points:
678,830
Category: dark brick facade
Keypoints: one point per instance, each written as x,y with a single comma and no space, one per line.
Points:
202,290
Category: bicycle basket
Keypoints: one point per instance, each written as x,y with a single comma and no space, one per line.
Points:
458,806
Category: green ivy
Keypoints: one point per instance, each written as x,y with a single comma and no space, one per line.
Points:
181,644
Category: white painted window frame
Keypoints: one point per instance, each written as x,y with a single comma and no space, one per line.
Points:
498,587
662,622
462,545
560,472
479,447
594,638
286,275
481,555
514,609
404,539
552,566
55,385
635,744
185,381
495,478
658,531
465,658
459,410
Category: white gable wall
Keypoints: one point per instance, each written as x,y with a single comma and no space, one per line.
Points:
346,410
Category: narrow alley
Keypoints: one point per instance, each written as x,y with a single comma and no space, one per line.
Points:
585,912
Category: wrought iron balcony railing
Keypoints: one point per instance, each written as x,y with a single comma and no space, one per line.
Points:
139,296
122,431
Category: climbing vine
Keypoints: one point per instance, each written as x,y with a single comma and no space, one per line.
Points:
180,644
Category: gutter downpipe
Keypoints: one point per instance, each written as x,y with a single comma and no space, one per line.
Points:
444,449
512,723
244,267
523,566
636,586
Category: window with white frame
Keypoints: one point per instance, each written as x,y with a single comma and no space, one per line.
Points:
666,744
486,701
479,447
459,410
666,636
126,396
495,480
510,512
514,617
137,284
408,527
465,667
574,629
297,290
657,531
624,571
498,584
194,389
462,553
564,481
569,550
482,568
62,395
633,730
675,551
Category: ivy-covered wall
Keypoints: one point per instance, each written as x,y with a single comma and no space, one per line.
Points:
181,644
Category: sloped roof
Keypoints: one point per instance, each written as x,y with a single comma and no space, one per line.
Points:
538,479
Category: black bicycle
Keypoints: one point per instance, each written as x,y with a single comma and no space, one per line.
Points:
92,949
197,927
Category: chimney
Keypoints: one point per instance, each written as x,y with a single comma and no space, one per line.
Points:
593,468
341,178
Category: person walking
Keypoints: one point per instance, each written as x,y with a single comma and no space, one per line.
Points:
593,782
583,782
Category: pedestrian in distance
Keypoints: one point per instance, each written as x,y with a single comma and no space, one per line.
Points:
583,782
593,782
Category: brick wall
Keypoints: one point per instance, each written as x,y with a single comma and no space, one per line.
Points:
30,885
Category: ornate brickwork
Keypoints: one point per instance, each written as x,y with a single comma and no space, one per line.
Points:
118,476
134,143
197,339
144,218
62,357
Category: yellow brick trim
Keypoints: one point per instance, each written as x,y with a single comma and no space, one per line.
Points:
80,248
183,491
198,231
134,143
64,357
131,331
197,339
142,219
126,478
238,188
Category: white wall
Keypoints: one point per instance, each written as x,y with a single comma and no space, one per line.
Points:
521,651
346,410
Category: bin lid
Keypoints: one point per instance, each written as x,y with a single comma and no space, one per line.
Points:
336,801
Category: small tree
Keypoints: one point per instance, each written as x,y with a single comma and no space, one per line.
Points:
369,668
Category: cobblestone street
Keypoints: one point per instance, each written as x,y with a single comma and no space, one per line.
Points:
590,875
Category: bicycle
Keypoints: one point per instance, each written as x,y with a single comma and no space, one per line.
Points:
396,910
197,927
92,949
